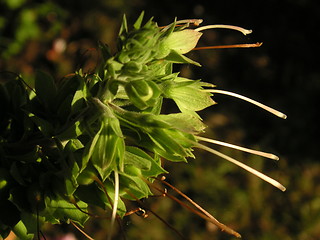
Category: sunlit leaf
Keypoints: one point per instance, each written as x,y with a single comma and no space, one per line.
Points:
21,231
65,211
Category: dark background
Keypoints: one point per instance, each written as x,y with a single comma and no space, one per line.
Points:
283,73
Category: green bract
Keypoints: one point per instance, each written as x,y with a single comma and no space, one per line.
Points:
62,144
181,41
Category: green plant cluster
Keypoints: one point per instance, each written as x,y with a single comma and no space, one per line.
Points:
63,145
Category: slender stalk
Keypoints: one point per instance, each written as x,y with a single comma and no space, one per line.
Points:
246,45
144,214
200,212
223,26
259,153
269,109
156,215
98,181
242,165
115,203
80,230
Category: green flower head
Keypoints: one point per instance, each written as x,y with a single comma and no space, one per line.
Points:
97,139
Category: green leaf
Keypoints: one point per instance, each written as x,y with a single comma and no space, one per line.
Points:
109,148
137,24
92,195
71,132
68,87
176,57
165,146
183,122
165,139
171,144
132,67
139,163
46,89
182,41
73,145
155,170
113,67
137,157
124,26
30,222
89,149
21,231
87,175
71,184
62,210
188,95
141,120
134,185
78,103
44,126
64,110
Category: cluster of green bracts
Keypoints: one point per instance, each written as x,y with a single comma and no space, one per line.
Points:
62,143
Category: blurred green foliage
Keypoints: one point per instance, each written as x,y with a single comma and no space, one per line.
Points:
280,72
21,22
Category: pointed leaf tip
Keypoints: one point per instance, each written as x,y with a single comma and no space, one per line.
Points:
138,23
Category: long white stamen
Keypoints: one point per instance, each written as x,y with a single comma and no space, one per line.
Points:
259,153
240,29
115,203
245,167
269,109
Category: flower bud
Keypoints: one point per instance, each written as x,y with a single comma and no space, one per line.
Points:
132,67
142,93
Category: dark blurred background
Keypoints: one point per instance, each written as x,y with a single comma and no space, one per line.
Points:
61,37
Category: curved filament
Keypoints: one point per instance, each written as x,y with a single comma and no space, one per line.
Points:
259,153
269,109
242,165
223,26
